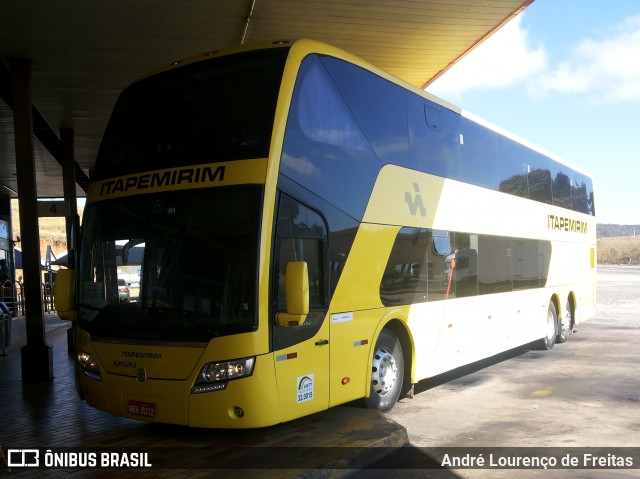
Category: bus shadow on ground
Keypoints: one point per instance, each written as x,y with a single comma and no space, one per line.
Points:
462,376
418,461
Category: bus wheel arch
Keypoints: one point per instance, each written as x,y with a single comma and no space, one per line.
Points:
390,367
408,353
567,321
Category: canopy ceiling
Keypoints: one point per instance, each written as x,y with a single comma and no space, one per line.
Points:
84,52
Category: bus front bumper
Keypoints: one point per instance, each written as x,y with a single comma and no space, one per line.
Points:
248,402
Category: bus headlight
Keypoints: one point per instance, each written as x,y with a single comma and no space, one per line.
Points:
89,365
214,376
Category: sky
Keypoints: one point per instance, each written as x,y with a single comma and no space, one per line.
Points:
565,76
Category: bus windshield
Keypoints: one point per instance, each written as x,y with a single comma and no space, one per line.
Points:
215,110
189,262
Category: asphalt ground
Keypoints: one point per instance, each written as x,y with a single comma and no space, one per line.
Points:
580,395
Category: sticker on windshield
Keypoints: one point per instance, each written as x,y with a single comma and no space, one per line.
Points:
92,294
305,388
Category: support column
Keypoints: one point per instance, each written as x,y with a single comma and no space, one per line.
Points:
37,356
69,187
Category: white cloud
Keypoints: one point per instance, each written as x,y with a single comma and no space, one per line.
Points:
605,69
503,59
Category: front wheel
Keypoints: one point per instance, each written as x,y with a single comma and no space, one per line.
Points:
387,372
551,328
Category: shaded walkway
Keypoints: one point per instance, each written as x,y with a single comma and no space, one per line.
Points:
49,415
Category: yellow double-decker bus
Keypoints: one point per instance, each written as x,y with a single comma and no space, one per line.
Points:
299,230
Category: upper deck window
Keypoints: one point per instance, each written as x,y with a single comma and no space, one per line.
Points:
209,111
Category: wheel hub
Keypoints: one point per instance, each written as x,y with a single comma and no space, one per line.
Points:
385,371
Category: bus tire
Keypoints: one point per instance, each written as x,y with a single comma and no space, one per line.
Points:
387,372
551,327
566,325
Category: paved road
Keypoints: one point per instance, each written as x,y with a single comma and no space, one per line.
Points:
618,301
583,393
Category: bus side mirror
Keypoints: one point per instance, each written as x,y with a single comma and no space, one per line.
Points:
296,288
64,295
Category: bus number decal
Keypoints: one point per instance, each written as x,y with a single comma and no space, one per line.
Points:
305,388
341,317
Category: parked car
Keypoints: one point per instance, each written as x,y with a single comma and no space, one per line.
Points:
123,290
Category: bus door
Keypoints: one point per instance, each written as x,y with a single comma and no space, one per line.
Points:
300,341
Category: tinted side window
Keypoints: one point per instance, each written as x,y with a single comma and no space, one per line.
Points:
479,163
408,270
512,168
591,205
580,194
465,267
377,105
477,264
526,270
562,190
420,268
325,149
300,236
494,264
445,144
544,259
346,122
539,177
433,133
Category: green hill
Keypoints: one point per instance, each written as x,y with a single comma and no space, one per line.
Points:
616,231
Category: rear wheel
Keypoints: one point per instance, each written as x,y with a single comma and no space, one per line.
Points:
551,328
387,372
566,325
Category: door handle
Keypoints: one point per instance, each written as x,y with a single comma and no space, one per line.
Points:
322,342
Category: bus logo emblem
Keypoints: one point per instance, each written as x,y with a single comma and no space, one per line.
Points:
142,374
415,202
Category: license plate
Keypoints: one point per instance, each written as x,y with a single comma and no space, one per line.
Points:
139,408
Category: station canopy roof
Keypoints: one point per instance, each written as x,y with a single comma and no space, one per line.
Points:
83,53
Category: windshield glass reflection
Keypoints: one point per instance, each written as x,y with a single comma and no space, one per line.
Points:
188,260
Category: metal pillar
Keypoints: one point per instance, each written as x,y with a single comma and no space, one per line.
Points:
69,187
37,356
